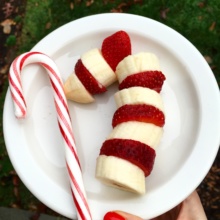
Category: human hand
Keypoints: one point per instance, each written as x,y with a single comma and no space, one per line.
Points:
190,209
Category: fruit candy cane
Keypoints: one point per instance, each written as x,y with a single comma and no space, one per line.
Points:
64,121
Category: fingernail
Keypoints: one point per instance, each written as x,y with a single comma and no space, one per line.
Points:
113,216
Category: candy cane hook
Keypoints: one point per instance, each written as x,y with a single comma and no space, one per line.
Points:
64,121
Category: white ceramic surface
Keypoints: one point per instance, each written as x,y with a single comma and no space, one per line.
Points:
191,134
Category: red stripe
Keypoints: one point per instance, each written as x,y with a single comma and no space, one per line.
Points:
87,79
25,57
79,191
53,72
18,104
59,112
49,68
138,112
152,79
63,101
68,143
79,210
15,70
17,91
133,151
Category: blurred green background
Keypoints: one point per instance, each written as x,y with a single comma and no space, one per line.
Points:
25,22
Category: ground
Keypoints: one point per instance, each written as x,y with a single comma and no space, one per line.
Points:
24,23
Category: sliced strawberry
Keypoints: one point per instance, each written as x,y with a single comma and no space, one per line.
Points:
135,152
87,79
115,48
149,79
139,112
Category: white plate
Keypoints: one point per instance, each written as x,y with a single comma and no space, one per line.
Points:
191,134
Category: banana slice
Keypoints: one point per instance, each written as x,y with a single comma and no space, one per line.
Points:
135,64
75,90
139,95
98,67
120,173
146,133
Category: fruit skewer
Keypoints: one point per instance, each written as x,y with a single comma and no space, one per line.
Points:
127,155
95,70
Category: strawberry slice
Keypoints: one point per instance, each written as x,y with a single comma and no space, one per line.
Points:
115,48
139,112
87,79
149,79
135,152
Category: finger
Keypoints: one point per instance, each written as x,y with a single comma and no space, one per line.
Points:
192,208
119,215
171,214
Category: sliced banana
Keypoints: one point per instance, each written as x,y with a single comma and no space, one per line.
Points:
139,95
75,90
135,64
115,171
146,133
98,67
120,173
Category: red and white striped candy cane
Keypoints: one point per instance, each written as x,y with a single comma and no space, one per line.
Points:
64,121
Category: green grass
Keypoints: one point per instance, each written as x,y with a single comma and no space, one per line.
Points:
195,19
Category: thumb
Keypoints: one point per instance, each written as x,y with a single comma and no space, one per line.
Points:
119,215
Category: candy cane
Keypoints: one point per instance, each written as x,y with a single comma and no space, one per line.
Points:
64,121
